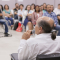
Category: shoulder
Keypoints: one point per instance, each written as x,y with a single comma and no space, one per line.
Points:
53,13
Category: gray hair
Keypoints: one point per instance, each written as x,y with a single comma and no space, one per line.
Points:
47,28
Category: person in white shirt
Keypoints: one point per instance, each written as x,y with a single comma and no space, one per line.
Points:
32,8
20,13
57,12
28,17
43,43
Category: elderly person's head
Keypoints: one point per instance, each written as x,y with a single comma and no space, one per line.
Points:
45,25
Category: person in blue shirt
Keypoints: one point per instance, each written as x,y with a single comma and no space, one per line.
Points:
52,15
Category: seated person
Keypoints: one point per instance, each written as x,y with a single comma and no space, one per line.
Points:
52,8
2,21
36,15
52,15
32,8
28,16
40,9
16,11
44,7
20,12
57,12
44,42
8,14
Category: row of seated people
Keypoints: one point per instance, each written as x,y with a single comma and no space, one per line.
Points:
30,15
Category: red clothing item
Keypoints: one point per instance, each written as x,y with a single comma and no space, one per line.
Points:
35,17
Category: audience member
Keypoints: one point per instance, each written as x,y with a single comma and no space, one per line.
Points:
28,16
57,12
40,8
20,12
33,5
7,13
16,11
44,7
45,41
36,15
32,8
52,8
48,13
2,21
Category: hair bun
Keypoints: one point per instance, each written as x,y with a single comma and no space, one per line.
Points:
53,34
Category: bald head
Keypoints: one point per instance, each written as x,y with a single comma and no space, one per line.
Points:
49,20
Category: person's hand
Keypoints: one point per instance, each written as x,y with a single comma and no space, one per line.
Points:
9,16
29,14
54,25
26,35
15,13
20,15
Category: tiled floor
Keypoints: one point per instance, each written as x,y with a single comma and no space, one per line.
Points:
9,45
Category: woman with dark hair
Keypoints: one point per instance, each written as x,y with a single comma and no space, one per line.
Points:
33,5
1,7
2,21
20,12
28,16
36,14
32,8
7,13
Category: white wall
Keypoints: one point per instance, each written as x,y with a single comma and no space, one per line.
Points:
11,3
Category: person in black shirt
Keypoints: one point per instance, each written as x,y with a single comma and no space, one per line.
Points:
3,22
16,11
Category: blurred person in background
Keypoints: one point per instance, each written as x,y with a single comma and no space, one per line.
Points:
28,17
3,21
36,15
44,7
20,12
57,12
7,13
52,15
52,8
16,11
32,8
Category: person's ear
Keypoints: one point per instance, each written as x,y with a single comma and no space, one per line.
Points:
40,30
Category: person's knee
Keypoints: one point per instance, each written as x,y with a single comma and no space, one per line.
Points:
6,18
29,23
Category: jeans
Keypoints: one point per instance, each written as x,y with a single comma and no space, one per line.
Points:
6,27
16,17
10,20
58,29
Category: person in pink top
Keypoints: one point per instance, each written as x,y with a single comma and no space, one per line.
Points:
36,15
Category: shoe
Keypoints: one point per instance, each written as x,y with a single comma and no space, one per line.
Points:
8,35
